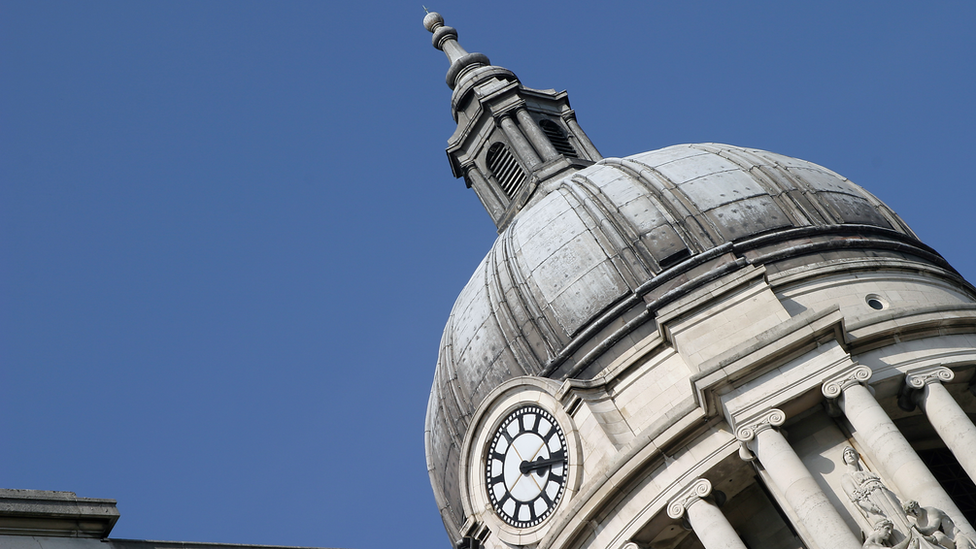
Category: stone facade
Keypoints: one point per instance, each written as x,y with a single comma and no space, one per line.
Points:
743,349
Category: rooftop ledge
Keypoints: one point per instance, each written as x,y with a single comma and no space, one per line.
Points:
55,514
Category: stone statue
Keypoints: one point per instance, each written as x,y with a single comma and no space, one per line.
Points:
871,496
879,537
936,525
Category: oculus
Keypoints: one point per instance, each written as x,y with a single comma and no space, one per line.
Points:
526,466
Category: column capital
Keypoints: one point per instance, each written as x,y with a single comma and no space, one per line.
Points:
835,385
920,377
509,110
747,430
688,496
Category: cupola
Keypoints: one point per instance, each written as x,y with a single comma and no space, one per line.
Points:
510,139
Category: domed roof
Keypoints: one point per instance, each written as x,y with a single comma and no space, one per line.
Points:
613,233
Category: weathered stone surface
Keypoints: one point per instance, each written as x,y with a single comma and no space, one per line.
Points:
623,229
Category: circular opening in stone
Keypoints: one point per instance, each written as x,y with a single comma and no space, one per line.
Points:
875,302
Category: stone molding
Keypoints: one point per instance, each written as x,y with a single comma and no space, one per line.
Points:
834,386
919,378
473,528
707,295
55,514
508,109
642,458
770,350
688,496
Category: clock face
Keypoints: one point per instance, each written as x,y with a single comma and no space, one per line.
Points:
526,467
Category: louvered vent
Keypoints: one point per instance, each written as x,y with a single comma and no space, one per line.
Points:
557,138
506,169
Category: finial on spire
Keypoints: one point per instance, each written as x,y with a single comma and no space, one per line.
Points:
445,39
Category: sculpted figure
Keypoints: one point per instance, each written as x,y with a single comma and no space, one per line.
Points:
871,496
879,537
935,523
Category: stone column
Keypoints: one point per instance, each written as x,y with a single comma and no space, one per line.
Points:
582,138
945,414
761,439
893,454
485,192
708,522
522,147
536,136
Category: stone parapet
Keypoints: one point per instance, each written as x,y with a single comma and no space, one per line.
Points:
55,514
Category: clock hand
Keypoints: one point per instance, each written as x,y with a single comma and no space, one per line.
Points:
527,466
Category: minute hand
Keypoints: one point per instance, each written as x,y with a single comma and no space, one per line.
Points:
528,466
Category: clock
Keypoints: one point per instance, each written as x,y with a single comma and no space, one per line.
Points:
526,466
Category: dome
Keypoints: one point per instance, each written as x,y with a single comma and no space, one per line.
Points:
602,249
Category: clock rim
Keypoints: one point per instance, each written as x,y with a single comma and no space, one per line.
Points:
499,403
564,445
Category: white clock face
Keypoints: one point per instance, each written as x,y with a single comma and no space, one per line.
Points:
526,467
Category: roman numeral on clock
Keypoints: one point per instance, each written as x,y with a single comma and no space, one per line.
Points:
527,445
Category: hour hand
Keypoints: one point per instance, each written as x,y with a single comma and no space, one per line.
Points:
528,466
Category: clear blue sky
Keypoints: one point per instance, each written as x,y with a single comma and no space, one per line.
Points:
229,236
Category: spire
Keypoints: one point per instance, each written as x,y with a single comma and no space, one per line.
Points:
510,139
445,39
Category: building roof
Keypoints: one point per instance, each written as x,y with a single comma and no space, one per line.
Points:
622,238
41,519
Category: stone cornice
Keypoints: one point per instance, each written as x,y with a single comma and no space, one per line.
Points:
905,325
55,514
765,352
708,293
504,107
847,265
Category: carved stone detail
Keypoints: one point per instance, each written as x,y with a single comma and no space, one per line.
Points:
868,492
937,526
770,419
746,432
687,496
880,537
917,379
834,386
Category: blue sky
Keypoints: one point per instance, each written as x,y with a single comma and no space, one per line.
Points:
229,236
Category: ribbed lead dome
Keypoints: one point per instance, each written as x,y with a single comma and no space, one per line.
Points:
594,244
